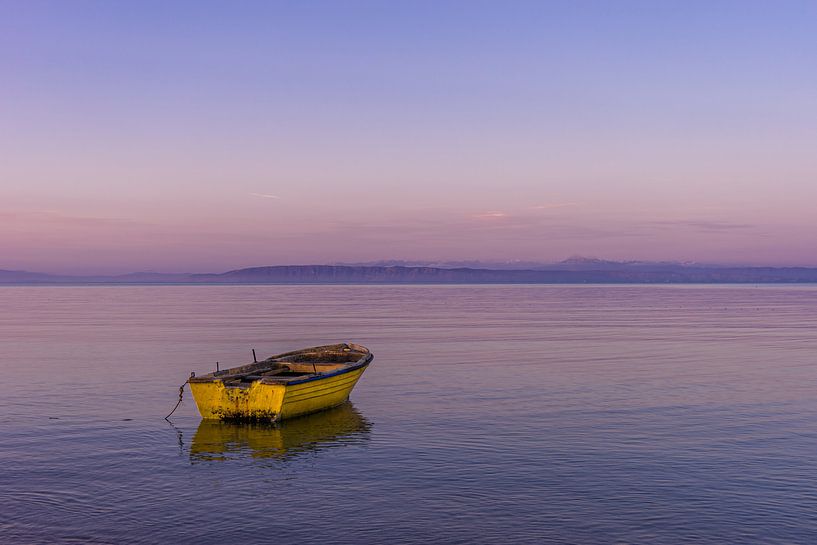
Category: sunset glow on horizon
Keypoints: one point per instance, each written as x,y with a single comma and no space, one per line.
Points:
207,136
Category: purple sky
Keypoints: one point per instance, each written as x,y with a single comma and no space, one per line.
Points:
215,135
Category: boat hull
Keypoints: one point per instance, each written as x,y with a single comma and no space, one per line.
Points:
273,402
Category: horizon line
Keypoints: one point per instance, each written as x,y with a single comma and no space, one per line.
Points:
437,265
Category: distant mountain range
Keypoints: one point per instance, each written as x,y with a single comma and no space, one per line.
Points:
573,263
573,271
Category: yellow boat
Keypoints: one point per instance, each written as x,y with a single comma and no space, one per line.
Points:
282,386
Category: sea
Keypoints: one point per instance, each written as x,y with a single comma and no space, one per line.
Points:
580,414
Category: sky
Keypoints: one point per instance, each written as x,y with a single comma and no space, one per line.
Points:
207,136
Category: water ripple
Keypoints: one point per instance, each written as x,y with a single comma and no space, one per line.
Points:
512,414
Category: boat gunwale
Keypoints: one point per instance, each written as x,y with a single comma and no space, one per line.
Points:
363,361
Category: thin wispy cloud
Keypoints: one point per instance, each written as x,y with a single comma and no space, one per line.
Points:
265,195
491,215
551,205
58,217
710,226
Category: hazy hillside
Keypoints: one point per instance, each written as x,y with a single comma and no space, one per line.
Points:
605,273
430,275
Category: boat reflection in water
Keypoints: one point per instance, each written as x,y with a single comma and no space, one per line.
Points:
219,440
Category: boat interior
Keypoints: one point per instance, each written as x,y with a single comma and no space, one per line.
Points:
291,366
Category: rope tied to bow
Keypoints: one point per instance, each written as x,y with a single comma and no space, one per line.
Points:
181,397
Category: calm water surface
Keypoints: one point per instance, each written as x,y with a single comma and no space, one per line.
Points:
514,414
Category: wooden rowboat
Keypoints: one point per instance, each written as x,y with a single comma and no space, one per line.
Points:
282,386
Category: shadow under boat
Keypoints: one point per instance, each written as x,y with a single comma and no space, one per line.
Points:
220,440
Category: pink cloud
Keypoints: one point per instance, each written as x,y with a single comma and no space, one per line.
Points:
552,205
491,215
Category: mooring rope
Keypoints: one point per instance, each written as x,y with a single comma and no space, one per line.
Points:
181,396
